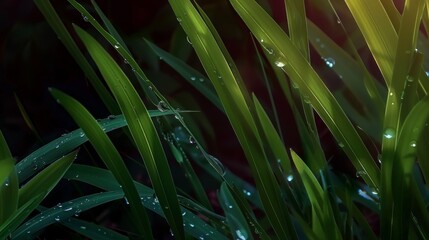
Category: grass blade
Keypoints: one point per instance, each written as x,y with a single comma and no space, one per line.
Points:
66,143
142,131
292,62
110,156
63,211
235,101
104,179
46,180
57,25
8,182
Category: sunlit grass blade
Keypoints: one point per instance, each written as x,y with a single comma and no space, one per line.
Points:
110,156
68,142
293,63
104,179
235,101
142,130
20,215
323,220
91,230
58,26
234,217
63,211
8,182
45,180
275,143
195,78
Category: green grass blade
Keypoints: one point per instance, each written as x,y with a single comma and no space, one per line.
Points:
20,215
271,136
58,26
234,217
379,33
235,102
110,156
323,217
8,182
195,78
63,211
26,118
68,142
91,230
104,179
142,131
292,62
46,180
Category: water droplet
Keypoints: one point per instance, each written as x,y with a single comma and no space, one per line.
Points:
85,18
216,164
410,79
191,225
179,19
427,73
156,200
330,62
338,21
389,133
241,235
193,78
360,173
162,106
279,64
294,85
247,193
188,40
262,40
117,46
229,206
317,39
379,158
126,201
413,144
341,144
82,227
374,193
81,134
68,209
183,213
57,218
191,140
59,205
171,232
201,79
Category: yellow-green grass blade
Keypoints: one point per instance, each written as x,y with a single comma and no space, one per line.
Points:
406,44
402,167
234,217
66,143
20,215
270,135
293,63
142,130
237,110
26,118
144,81
195,78
57,25
379,33
104,179
8,182
351,73
63,211
323,220
46,180
110,156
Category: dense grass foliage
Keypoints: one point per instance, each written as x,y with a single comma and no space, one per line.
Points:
148,163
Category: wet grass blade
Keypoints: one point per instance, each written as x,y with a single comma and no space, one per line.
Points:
67,143
63,211
195,78
323,220
269,132
45,180
234,217
104,179
110,156
142,130
8,182
292,62
58,26
20,215
235,101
